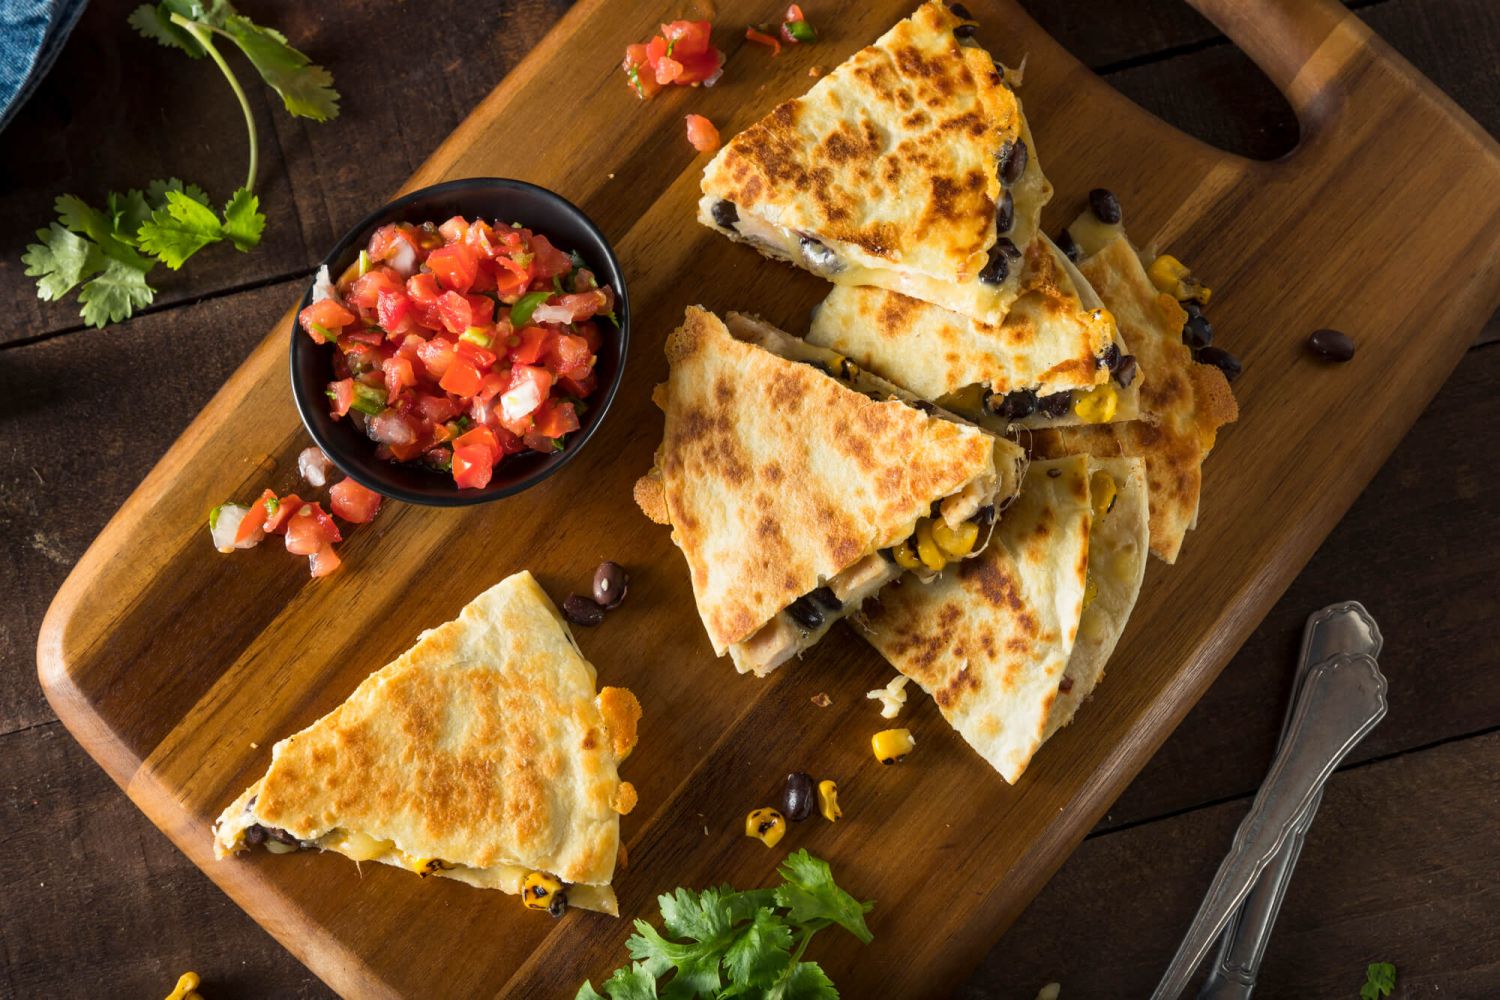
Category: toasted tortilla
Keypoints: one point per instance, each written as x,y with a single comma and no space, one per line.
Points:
1182,403
778,477
889,163
1118,542
990,640
1053,340
480,754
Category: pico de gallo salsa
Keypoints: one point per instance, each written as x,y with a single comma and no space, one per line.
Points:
461,343
680,55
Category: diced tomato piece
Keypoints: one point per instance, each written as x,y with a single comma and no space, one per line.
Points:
569,353
656,50
667,70
455,265
589,331
385,243
252,525
537,441
454,311
639,73
687,38
700,68
482,437
761,38
423,288
455,230
441,409
535,341
364,293
554,419
481,238
323,562
582,388
342,394
492,385
548,260
368,338
436,355
529,386
510,285
794,13
472,467
353,502
304,535
327,316
574,306
399,374
395,312
481,310
702,134
285,507
480,357
461,378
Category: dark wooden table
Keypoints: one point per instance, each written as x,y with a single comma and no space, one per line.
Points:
1402,864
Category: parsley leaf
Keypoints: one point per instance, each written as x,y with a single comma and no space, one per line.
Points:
60,261
114,294
1380,980
811,895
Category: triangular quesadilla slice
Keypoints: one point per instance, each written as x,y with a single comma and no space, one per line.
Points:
789,479
990,639
907,167
1055,360
1118,542
481,754
1182,403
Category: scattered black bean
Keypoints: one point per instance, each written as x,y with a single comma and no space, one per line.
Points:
1198,332
1222,360
964,31
1056,404
558,905
1110,357
1013,161
1331,345
1005,213
1105,206
611,584
827,598
986,516
1018,404
805,613
1126,371
581,611
1008,247
797,796
960,11
1192,308
281,836
1069,246
819,256
725,214
997,269
255,835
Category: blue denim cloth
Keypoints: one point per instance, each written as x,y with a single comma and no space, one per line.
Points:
32,33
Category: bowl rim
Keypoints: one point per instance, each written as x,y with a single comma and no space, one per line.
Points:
457,497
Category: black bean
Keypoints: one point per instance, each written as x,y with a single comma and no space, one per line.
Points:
827,598
1005,213
1018,404
255,835
1222,360
1192,308
1126,371
581,611
1105,206
805,613
611,583
1008,247
281,836
964,31
960,11
1110,357
558,905
1331,345
1069,246
997,269
1013,161
1056,404
797,796
725,214
986,515
1198,332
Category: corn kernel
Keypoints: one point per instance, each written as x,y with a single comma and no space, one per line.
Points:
905,556
538,890
1171,275
1102,492
766,825
1097,406
828,801
927,549
187,984
958,542
890,745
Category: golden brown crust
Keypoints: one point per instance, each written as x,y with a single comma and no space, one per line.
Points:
1182,403
651,497
624,799
892,156
777,477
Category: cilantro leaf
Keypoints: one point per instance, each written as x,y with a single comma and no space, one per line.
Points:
632,983
156,191
82,218
810,895
115,293
179,230
697,962
60,261
1380,980
154,21
305,87
699,916
761,952
587,992
807,981
125,213
243,221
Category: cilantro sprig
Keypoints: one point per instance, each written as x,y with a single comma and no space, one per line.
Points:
1380,980
108,253
720,943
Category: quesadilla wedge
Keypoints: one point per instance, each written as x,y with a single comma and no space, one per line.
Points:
796,486
481,754
888,172
1182,403
1049,363
990,639
1118,542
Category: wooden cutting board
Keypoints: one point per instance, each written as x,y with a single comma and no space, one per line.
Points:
178,667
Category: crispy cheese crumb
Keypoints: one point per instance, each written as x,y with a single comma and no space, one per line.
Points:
891,697
822,700
815,71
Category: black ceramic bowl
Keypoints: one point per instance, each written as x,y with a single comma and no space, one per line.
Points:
494,199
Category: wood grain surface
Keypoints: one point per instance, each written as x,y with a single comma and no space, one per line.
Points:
63,540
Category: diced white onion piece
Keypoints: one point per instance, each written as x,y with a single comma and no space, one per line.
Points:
403,259
388,427
713,78
312,465
227,525
548,312
323,286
